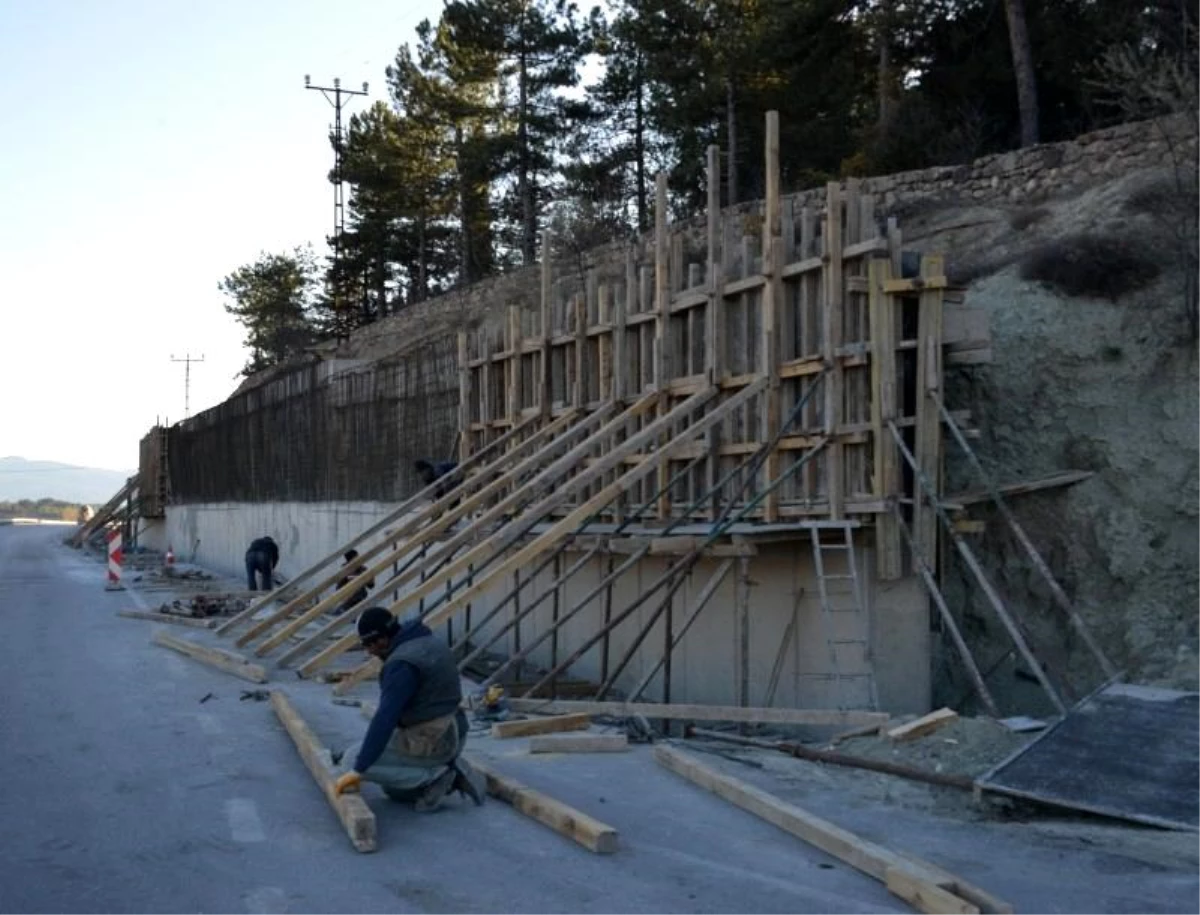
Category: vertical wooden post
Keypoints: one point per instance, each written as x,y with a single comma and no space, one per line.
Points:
604,343
714,325
928,438
885,482
545,392
579,395
772,305
464,399
487,411
622,307
662,303
834,454
514,363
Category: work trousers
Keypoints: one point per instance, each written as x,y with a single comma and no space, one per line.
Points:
258,564
415,756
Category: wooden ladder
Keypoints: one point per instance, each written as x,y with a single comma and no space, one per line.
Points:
844,598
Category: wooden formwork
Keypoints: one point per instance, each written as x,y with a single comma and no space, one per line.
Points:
785,295
752,373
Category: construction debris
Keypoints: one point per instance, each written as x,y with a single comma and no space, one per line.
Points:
840,759
920,883
351,809
170,618
926,724
215,657
258,695
831,717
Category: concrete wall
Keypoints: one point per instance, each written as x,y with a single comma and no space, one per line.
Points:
707,665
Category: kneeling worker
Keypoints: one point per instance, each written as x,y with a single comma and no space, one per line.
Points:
413,743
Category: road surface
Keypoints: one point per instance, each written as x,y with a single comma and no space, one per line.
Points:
122,791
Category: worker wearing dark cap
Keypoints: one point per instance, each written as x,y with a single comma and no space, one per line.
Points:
412,745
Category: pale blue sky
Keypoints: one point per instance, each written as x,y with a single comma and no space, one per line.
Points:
146,150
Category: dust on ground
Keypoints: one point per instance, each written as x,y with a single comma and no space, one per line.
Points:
966,746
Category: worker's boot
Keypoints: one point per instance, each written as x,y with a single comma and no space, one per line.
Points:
435,792
467,781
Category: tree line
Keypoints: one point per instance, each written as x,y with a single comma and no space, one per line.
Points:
505,117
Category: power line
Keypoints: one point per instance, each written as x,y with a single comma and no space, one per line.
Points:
339,212
187,380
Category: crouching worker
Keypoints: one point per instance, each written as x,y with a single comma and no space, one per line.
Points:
412,745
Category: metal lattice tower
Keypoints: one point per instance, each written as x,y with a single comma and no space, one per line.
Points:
334,95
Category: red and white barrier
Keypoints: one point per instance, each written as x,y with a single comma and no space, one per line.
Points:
114,562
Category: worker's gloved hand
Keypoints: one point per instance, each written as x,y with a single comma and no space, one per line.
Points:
347,781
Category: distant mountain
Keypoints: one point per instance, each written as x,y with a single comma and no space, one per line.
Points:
22,479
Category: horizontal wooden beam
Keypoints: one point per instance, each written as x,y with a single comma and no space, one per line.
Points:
1065,478
562,818
926,724
215,657
916,284
909,873
655,710
351,809
503,730
173,618
579,743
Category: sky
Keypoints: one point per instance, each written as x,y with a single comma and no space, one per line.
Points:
147,150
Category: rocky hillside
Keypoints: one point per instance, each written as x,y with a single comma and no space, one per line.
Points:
1095,368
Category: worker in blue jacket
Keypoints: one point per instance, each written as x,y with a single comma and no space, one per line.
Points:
413,745
261,558
429,472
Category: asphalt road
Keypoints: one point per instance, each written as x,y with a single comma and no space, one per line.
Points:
120,791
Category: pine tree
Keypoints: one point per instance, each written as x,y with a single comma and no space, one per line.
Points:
274,298
539,45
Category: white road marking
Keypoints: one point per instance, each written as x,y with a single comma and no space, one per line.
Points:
243,820
266,900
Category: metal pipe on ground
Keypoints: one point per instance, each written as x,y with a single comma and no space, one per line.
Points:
961,782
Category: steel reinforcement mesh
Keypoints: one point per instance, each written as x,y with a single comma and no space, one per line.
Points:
310,436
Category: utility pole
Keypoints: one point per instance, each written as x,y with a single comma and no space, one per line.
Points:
187,361
339,212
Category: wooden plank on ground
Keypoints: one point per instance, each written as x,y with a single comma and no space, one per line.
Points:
862,854
578,743
563,819
702,712
926,724
925,896
351,809
578,721
173,618
215,657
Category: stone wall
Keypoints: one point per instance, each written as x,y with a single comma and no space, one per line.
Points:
1025,176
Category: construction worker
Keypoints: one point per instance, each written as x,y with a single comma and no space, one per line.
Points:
261,558
430,471
362,593
413,744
